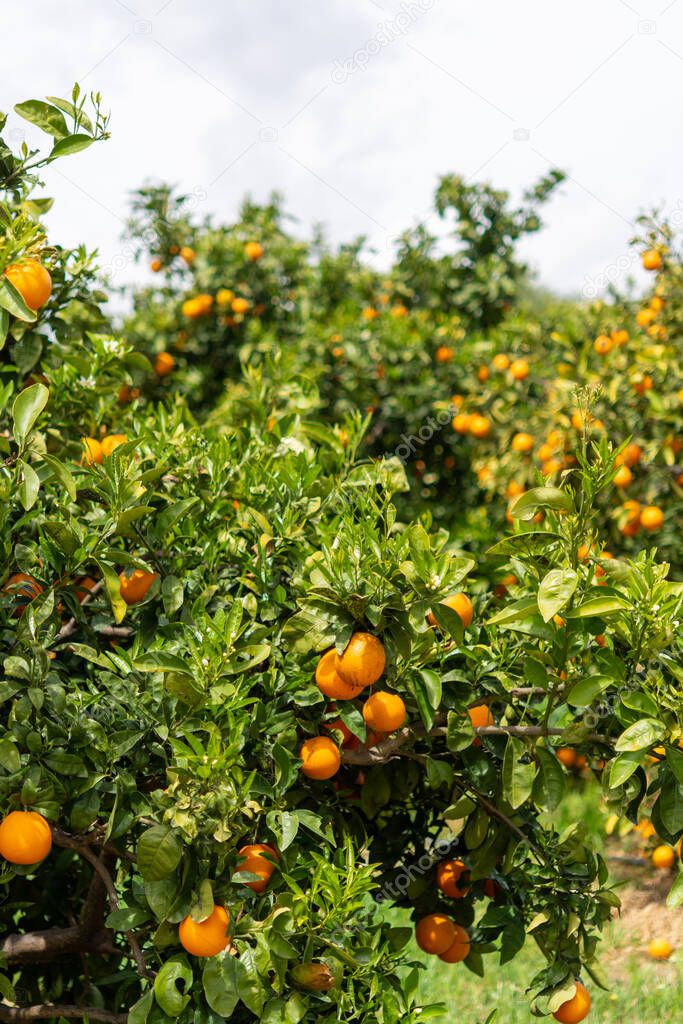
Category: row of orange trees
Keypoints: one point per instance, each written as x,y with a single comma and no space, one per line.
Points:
259,681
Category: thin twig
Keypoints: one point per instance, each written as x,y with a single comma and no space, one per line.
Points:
69,628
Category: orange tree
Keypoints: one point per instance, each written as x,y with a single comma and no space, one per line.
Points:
246,705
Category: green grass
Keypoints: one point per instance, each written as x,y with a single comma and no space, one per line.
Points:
641,990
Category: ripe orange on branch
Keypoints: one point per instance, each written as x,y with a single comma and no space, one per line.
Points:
459,603
257,859
575,1009
208,937
25,837
112,441
321,758
135,586
163,364
384,712
32,281
330,682
363,660
459,949
435,933
452,877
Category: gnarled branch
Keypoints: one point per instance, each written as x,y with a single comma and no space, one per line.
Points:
46,1011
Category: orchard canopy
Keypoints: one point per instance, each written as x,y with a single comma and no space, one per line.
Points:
321,588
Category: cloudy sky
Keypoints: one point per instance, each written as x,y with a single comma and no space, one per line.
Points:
353,108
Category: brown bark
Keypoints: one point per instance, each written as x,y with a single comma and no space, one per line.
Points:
47,1011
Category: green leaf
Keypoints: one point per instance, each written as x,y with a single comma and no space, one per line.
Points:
640,735
29,485
126,918
449,621
159,853
550,783
26,409
459,733
44,116
583,693
555,591
61,474
72,144
219,980
675,897
528,504
518,778
597,607
112,585
249,985
139,1012
515,612
622,768
166,991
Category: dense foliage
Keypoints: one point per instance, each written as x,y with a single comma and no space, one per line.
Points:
287,453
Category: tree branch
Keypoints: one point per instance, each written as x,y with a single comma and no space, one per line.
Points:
46,1011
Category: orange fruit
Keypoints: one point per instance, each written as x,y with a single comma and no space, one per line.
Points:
198,306
663,857
257,859
155,266
461,422
500,362
448,877
602,344
444,354
363,660
32,281
459,603
576,1008
519,369
25,837
320,756
163,364
239,305
224,297
369,313
134,587
550,467
623,477
483,374
399,311
435,933
643,385
127,394
22,586
479,426
112,441
644,317
253,251
660,949
620,337
92,454
330,682
384,712
651,517
652,259
514,489
657,303
83,586
480,716
208,937
522,443
630,456
313,977
459,948
188,254
567,756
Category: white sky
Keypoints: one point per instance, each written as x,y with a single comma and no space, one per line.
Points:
224,97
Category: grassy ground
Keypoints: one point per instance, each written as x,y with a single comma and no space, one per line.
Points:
641,989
